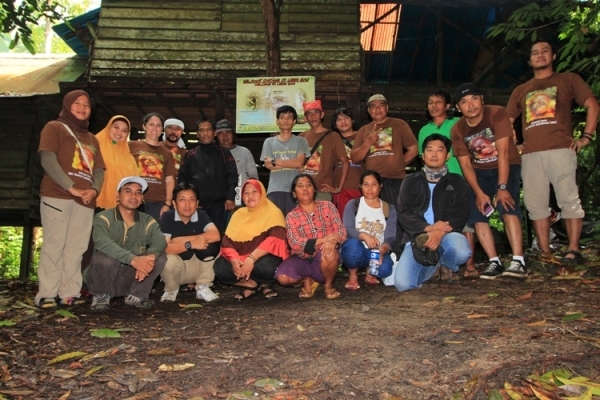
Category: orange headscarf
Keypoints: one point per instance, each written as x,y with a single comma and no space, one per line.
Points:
119,164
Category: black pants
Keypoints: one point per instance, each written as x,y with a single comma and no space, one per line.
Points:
217,214
263,272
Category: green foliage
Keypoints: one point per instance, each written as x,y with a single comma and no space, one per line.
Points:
578,25
11,240
18,16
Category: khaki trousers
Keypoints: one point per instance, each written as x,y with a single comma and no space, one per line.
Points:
67,227
179,272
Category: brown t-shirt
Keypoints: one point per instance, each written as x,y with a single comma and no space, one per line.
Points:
355,171
479,141
324,160
545,106
387,155
155,163
177,153
56,139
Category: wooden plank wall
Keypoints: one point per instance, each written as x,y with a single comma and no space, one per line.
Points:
207,41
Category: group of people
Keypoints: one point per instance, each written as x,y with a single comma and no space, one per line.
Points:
335,196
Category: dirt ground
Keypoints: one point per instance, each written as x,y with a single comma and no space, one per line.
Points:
446,340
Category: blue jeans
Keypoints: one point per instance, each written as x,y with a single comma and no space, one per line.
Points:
355,255
454,251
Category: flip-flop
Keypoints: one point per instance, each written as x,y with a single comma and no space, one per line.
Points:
371,280
471,273
268,292
241,295
307,295
352,284
331,294
576,259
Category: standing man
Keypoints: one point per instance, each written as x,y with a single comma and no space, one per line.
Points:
211,168
128,250
174,129
482,141
387,145
192,246
549,151
433,204
327,150
438,104
246,166
284,155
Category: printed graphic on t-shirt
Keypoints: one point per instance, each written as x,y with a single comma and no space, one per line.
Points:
373,228
314,162
348,151
482,147
384,143
176,158
150,165
540,105
79,161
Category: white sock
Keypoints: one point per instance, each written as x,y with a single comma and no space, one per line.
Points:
519,258
497,259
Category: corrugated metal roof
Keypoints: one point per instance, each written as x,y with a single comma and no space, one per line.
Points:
27,75
76,32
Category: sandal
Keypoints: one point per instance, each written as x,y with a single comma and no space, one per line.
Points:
241,295
371,280
304,294
549,258
352,284
331,294
267,291
576,259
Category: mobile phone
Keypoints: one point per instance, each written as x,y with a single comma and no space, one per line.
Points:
488,209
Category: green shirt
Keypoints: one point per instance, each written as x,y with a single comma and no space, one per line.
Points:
112,237
444,129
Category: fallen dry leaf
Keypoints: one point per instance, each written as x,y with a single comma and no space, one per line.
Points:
475,316
538,323
526,296
175,367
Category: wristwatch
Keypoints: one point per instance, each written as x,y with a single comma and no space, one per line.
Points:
273,163
502,186
188,245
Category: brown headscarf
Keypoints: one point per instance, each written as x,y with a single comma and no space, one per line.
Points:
119,163
67,117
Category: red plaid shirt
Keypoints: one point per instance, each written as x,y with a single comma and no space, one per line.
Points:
302,226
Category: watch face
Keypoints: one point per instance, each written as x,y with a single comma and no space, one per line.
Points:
502,186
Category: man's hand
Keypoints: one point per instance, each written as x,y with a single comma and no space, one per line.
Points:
579,144
199,243
373,136
443,226
481,201
325,188
143,266
504,198
229,205
88,195
435,238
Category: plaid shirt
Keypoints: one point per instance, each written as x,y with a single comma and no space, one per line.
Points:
302,226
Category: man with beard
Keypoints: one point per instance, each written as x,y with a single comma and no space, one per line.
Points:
174,129
128,250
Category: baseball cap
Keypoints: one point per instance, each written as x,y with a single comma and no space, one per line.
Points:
133,179
376,97
223,125
175,122
312,105
466,89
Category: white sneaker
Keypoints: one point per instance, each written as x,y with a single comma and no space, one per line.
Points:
169,296
204,293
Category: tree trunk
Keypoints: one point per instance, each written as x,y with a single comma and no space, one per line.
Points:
271,10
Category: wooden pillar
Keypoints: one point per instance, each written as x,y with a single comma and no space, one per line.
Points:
270,13
26,251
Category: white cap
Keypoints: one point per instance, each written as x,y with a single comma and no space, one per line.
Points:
176,122
133,179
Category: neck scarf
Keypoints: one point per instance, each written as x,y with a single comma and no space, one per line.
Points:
119,164
66,117
434,176
247,223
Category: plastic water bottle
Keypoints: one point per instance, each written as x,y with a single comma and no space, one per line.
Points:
374,262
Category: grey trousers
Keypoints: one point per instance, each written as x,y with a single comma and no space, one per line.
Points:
107,275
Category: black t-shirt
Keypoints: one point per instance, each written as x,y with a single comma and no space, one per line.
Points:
197,225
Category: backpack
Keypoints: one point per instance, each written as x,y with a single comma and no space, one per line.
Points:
384,205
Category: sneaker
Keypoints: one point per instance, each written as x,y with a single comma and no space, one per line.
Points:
169,296
142,304
48,302
101,302
71,301
446,274
493,271
516,270
204,293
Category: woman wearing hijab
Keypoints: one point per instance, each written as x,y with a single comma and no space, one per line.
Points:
73,175
254,244
117,157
